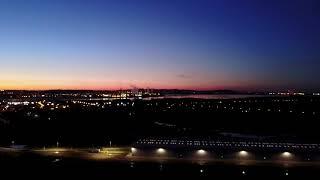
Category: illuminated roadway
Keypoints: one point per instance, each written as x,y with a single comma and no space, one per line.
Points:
126,154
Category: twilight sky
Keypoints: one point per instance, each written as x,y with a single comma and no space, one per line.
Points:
199,44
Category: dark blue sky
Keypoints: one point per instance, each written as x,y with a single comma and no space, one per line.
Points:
91,44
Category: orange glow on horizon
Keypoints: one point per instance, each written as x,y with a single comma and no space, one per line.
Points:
19,84
110,87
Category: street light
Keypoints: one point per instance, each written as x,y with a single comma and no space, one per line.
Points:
133,150
201,152
286,154
161,150
243,153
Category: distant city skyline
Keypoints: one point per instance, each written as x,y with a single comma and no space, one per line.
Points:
166,44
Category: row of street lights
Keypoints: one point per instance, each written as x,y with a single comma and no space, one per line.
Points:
202,152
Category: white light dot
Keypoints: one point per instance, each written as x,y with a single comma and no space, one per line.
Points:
243,153
201,152
133,150
161,150
286,154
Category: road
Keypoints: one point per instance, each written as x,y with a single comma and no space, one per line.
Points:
124,154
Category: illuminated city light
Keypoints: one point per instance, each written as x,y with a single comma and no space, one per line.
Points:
133,150
201,152
243,153
286,154
161,151
56,152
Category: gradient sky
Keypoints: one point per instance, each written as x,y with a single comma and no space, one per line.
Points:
214,44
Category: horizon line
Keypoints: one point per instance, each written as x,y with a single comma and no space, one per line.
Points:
178,89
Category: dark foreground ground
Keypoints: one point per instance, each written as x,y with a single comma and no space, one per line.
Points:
32,166
123,122
89,123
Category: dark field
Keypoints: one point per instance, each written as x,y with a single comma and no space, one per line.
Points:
96,122
32,166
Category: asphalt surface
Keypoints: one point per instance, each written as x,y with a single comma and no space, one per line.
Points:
124,154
